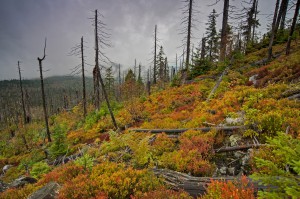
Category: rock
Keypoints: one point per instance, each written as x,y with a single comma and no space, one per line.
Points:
3,186
234,121
245,160
21,181
223,170
234,139
6,167
49,191
231,171
253,79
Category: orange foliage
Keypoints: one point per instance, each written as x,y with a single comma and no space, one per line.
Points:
229,190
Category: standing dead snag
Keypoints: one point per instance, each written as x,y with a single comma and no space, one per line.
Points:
43,93
224,30
22,95
155,47
83,80
98,69
273,31
188,42
288,45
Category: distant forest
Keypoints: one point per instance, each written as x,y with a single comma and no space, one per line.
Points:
62,92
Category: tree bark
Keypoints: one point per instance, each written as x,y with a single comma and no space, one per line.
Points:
281,14
237,148
22,95
204,129
83,81
43,94
188,43
196,186
203,48
273,31
224,31
282,22
255,17
96,71
99,74
155,46
288,45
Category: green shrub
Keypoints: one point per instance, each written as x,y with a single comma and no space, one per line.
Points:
86,161
59,145
40,168
279,166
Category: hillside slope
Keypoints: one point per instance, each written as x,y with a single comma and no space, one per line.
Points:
264,100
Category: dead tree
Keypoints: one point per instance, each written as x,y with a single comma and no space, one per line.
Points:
96,70
255,19
288,45
78,50
148,83
22,95
96,23
83,80
43,93
224,30
120,82
273,31
203,48
281,15
155,48
189,34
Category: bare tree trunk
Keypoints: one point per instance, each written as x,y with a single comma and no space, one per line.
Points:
288,45
224,31
22,95
176,62
119,86
148,84
203,48
134,71
281,14
282,22
28,112
155,46
255,17
273,30
188,43
43,93
97,68
83,81
99,74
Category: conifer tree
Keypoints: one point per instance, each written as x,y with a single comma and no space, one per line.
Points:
211,36
109,82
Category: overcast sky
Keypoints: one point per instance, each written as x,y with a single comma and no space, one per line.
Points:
25,23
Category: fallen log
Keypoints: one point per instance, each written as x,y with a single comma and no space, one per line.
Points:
237,148
212,92
196,186
226,129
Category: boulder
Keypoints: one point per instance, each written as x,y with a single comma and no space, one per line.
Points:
232,171
253,79
223,170
49,191
235,139
21,181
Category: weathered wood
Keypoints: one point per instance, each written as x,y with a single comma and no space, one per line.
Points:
217,83
226,129
237,148
196,186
